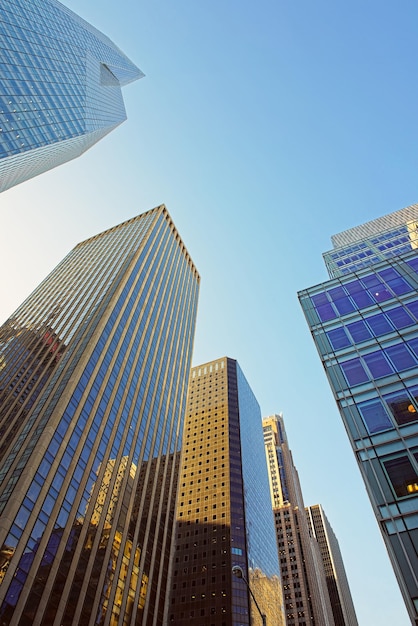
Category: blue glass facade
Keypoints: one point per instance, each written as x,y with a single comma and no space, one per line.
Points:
92,389
364,324
60,87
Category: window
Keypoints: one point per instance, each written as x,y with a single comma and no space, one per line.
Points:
374,416
378,364
354,372
402,475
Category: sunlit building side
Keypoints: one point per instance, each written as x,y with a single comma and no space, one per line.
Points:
305,594
223,513
364,324
93,384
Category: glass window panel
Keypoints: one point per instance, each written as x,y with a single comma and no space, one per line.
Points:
399,286
401,407
354,372
400,357
326,312
413,263
413,307
413,344
402,475
379,325
359,294
341,301
359,331
399,317
338,338
378,364
375,416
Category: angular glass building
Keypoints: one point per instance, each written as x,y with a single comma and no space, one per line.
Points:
223,513
364,324
60,87
93,379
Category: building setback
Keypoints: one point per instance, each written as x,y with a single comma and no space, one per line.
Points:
364,324
223,513
305,594
93,379
337,583
60,87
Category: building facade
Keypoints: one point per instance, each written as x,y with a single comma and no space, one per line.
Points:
93,379
364,324
60,87
223,513
305,595
337,583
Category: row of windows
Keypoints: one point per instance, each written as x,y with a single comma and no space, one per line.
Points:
358,294
396,358
373,326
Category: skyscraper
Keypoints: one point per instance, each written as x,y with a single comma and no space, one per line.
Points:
223,513
364,324
337,583
305,594
93,380
60,81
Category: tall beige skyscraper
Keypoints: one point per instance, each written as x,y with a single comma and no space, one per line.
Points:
338,588
305,593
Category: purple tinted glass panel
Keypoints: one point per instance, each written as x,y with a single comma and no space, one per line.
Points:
323,307
379,325
378,364
354,372
413,344
399,286
413,307
376,288
338,338
374,416
320,298
399,317
359,331
395,281
326,312
414,264
341,301
359,294
400,357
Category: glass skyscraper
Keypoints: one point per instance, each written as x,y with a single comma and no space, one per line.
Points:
223,513
93,378
60,87
364,324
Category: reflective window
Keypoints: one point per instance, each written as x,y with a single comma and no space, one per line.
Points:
375,416
354,372
338,338
378,364
402,475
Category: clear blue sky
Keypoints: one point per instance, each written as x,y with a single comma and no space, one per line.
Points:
265,128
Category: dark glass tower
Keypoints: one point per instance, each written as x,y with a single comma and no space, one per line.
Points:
93,378
60,87
364,324
337,583
223,514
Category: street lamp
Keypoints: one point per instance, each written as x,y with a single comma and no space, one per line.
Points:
238,572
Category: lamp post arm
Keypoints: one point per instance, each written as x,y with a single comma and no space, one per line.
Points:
263,616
